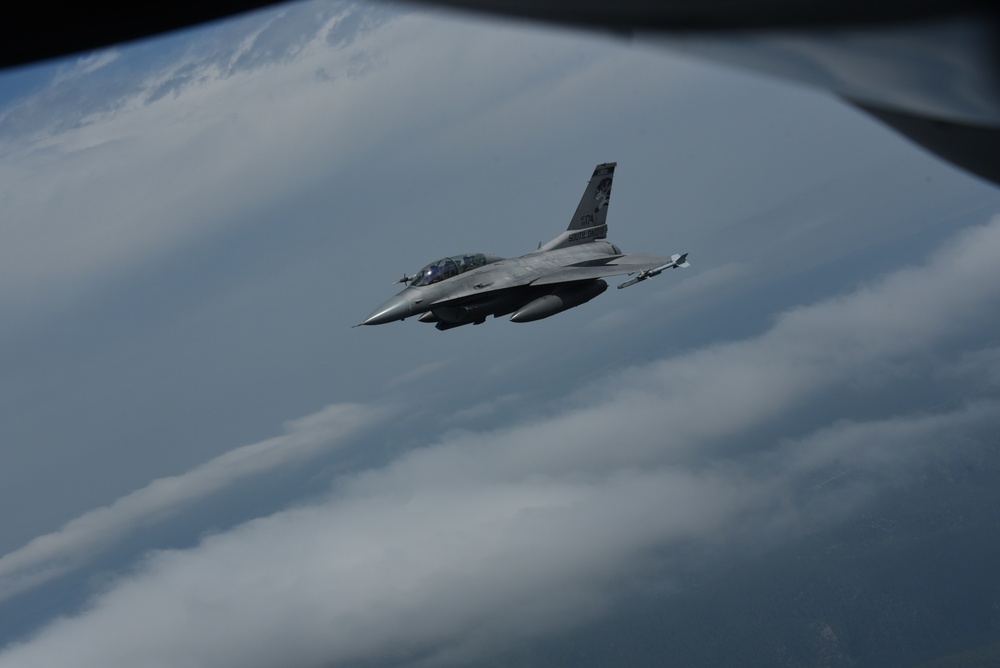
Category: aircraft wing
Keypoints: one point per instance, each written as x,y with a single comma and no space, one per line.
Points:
645,265
625,264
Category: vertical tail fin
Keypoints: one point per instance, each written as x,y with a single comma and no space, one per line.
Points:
590,222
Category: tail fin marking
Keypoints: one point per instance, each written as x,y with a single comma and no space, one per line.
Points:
590,222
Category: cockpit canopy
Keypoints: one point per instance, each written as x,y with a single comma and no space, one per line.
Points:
450,266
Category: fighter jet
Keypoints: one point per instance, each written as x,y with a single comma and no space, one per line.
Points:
566,272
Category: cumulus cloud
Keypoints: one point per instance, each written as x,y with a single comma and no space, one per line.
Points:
480,540
79,540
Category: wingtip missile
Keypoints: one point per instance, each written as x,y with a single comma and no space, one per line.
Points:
676,262
631,281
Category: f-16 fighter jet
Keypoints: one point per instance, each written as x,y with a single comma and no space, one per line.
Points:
566,272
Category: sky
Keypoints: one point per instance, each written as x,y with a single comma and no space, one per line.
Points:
204,464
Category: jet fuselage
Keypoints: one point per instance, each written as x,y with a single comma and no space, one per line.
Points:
563,273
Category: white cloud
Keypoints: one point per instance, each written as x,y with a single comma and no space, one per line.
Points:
136,176
78,541
480,540
95,61
460,566
74,68
96,186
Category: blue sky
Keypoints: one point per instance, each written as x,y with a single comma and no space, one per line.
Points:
204,464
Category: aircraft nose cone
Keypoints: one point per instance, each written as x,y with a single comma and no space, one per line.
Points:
396,308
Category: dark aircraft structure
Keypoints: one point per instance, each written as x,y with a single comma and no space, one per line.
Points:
566,272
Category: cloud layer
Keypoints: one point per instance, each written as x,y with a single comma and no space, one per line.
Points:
54,554
480,540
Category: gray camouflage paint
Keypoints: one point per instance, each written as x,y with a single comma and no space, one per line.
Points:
562,274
